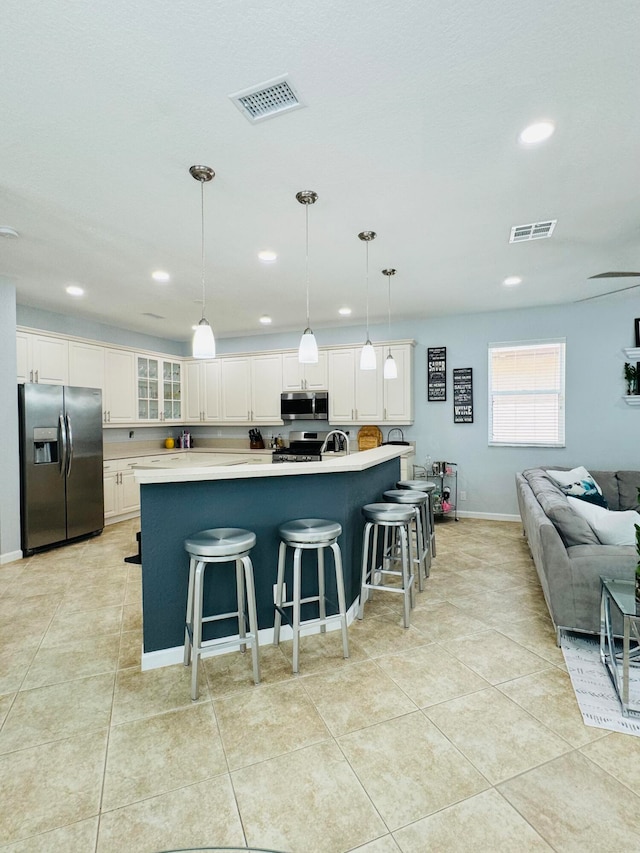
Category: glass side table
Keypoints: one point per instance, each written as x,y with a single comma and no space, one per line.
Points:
619,596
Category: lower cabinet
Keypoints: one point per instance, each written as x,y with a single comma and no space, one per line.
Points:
121,491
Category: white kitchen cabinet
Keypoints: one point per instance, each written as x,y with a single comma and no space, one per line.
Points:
42,359
235,378
86,365
342,386
202,397
159,389
369,402
266,386
305,377
119,398
398,393
121,491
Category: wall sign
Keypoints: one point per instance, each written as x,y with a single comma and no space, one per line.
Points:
637,328
463,395
437,373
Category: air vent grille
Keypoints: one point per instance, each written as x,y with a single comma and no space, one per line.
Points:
267,100
533,231
154,316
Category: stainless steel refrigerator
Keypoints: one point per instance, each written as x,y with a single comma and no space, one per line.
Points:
61,480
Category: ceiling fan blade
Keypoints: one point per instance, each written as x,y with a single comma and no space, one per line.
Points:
608,293
615,275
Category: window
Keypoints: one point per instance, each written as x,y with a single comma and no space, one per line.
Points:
526,393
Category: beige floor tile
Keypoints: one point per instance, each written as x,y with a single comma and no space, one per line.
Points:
49,786
384,634
130,651
5,705
75,838
132,617
409,769
190,817
143,694
82,624
619,755
75,659
14,665
105,594
356,696
158,754
576,807
386,844
319,652
441,620
233,673
495,657
538,636
429,675
36,608
133,593
57,711
497,736
485,823
297,802
281,715
548,696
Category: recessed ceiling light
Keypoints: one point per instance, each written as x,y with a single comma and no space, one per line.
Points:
74,290
267,257
512,280
8,231
344,311
536,132
161,276
265,320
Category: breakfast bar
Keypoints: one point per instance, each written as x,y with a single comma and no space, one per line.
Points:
178,501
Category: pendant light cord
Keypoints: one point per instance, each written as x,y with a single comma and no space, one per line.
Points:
367,278
389,311
202,240
306,210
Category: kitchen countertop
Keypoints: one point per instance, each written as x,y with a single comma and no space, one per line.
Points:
111,453
333,464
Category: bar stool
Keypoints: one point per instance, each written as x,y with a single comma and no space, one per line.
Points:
419,501
429,488
309,534
220,545
386,517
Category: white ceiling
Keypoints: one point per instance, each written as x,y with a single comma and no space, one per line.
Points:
410,129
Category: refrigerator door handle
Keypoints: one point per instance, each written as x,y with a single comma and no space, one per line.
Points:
70,437
63,441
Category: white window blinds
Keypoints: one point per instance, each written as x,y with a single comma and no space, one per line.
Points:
526,393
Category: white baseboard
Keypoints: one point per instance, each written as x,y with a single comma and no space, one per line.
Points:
489,516
10,557
168,657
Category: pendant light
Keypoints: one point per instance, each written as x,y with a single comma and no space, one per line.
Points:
204,345
367,354
308,349
390,366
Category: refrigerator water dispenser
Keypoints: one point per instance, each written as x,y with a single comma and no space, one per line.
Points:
45,445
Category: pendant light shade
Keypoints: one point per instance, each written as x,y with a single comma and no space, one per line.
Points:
368,359
308,349
204,344
390,366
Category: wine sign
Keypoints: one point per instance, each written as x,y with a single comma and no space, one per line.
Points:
437,373
463,395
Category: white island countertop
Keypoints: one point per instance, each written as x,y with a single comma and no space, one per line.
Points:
241,469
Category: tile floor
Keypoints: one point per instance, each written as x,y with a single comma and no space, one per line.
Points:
461,733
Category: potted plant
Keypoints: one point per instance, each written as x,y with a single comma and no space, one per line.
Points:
630,377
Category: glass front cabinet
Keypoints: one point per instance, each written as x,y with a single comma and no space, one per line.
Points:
159,389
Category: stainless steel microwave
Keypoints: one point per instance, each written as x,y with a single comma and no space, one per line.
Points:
304,406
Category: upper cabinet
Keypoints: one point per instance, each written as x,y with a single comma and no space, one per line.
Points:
159,389
86,365
202,397
398,393
119,399
42,359
266,387
305,377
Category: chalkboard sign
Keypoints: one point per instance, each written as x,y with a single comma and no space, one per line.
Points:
463,395
437,373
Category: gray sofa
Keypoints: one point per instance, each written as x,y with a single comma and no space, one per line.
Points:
568,556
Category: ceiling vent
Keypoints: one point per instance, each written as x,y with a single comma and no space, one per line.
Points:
267,100
534,231
154,316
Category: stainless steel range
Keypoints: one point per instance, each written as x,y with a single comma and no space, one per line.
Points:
303,447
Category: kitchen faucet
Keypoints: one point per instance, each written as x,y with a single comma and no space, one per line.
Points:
335,432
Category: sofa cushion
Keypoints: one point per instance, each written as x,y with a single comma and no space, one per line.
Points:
579,483
628,485
608,482
611,528
573,529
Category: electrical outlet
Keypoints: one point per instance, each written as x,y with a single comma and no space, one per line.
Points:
284,592
463,496
131,433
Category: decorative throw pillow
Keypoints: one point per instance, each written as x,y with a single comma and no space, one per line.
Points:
578,483
611,528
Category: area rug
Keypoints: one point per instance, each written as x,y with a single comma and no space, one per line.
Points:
594,691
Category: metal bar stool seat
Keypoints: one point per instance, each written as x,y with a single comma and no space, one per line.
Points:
429,488
419,501
386,517
220,545
309,534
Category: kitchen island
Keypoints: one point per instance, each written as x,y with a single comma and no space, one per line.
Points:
179,501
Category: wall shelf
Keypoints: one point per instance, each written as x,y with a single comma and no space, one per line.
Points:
632,353
633,400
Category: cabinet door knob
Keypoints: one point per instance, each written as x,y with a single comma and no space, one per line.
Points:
36,375
31,376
